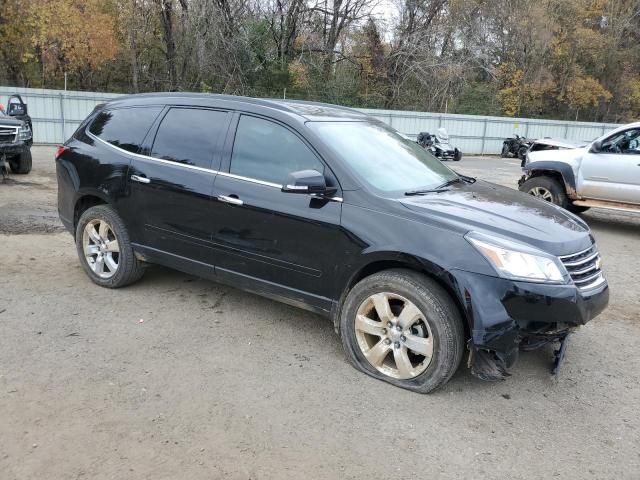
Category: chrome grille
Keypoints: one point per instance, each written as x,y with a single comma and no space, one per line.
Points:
8,134
584,268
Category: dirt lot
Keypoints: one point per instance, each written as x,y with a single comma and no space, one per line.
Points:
176,377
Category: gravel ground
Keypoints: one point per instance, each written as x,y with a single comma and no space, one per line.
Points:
177,377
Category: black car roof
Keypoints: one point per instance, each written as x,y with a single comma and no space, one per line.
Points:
305,109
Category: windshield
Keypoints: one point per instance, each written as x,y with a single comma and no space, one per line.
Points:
380,157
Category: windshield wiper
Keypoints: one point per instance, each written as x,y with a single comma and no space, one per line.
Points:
443,187
424,192
448,183
467,179
458,179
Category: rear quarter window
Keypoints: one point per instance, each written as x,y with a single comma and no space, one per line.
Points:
124,127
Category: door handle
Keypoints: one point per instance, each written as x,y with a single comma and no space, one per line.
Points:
231,200
137,178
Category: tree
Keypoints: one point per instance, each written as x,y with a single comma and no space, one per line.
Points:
71,35
552,58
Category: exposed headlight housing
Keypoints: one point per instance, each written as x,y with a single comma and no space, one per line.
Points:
518,261
25,132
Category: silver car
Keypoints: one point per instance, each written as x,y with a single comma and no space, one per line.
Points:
604,173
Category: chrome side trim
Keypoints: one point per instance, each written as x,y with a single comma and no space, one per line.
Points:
146,157
249,179
193,167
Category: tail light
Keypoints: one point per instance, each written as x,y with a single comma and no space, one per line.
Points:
60,151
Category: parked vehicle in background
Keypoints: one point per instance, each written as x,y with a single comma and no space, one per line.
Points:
604,173
439,145
16,136
328,209
515,146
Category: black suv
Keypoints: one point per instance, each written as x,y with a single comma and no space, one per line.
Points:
328,209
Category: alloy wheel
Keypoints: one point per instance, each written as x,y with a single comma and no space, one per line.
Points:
101,248
394,335
542,193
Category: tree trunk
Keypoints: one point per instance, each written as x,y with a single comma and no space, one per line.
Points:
133,45
166,13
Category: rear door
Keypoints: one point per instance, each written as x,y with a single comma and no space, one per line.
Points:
115,136
614,172
171,184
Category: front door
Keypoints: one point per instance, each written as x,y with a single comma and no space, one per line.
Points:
614,172
269,239
172,186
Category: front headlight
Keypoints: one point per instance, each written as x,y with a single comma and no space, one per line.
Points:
25,132
518,261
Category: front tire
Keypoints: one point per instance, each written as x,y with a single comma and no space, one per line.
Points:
550,190
401,327
105,250
21,164
457,156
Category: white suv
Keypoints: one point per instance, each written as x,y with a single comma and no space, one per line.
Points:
605,173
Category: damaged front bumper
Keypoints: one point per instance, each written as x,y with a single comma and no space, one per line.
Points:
505,315
10,149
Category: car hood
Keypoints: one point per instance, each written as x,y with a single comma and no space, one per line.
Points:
562,155
496,210
9,121
560,142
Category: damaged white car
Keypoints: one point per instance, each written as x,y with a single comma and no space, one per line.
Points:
604,173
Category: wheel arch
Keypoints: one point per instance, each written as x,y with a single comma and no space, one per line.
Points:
391,260
84,202
558,170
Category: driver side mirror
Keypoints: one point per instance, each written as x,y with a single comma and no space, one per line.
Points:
307,182
596,147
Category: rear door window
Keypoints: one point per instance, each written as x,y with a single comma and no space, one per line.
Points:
264,150
124,127
190,136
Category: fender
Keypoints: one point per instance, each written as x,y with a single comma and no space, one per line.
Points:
375,261
563,169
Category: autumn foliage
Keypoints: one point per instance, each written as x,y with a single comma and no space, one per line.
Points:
572,59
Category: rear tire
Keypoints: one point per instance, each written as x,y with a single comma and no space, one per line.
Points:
104,248
457,156
550,190
436,322
21,164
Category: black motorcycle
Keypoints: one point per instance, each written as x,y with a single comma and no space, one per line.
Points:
516,146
